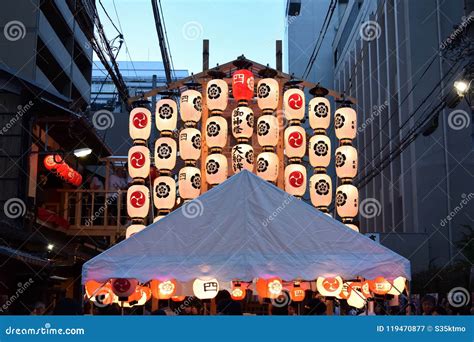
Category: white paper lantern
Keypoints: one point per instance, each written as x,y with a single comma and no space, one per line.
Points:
356,299
319,110
295,142
189,182
242,158
190,144
242,122
268,94
157,218
295,179
352,226
267,130
166,115
345,123
267,166
347,201
216,132
319,151
164,192
398,286
217,95
191,106
165,154
139,161
205,289
329,286
133,229
320,190
294,104
140,123
346,162
216,168
138,201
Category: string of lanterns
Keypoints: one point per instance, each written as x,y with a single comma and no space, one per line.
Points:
56,164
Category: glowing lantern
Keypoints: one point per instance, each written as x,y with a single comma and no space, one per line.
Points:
365,289
269,288
238,292
189,182
133,229
242,122
352,226
163,289
178,298
164,192
217,95
398,286
345,291
140,124
295,142
356,299
268,94
329,287
380,286
138,201
205,289
191,106
242,158
294,104
347,198
165,153
319,110
346,162
295,179
166,115
216,132
50,162
99,293
92,287
242,85
139,162
345,123
267,166
190,144
320,191
297,293
124,287
267,131
157,218
319,151
216,168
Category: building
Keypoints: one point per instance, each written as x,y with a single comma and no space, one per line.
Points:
389,56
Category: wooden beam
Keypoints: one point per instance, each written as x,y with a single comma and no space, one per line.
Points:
281,131
279,56
205,54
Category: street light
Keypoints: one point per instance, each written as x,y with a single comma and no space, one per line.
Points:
462,87
82,152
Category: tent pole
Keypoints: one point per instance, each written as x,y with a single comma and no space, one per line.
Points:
329,307
154,304
213,307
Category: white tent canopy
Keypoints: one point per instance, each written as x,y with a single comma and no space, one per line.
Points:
243,229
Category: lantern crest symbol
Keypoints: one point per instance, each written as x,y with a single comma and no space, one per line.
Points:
295,139
340,159
339,120
296,179
197,102
320,148
196,181
262,165
275,287
165,111
341,198
162,190
263,90
295,101
322,187
212,167
137,160
263,128
214,91
164,151
137,199
166,288
321,110
140,120
213,129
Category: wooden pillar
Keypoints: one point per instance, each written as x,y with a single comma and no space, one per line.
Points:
280,146
204,149
329,307
205,54
279,55
213,309
154,304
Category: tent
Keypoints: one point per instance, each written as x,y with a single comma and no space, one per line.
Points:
246,228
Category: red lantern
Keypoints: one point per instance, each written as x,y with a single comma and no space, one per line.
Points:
297,293
269,288
49,162
380,286
329,287
178,298
242,85
238,291
163,289
124,287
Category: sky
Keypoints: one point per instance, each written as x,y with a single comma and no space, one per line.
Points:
233,27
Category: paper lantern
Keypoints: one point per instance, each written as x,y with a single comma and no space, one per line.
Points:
178,298
103,296
157,218
347,201
398,286
352,226
139,162
267,131
330,286
297,293
294,104
269,288
92,287
346,162
166,115
133,229
242,85
164,192
356,299
242,122
319,110
191,106
163,289
190,144
216,168
216,132
140,124
205,289
345,291
319,151
123,287
238,291
320,191
50,162
242,158
165,154
380,286
189,182
138,201
295,179
267,166
345,123
295,142
217,95
268,94
365,289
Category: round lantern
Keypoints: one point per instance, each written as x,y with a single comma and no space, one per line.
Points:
356,299
138,201
50,162
165,153
190,144
242,158
189,182
295,142
295,180
123,287
319,151
268,94
139,162
380,286
140,124
329,287
242,85
133,229
319,110
347,198
242,122
267,166
92,287
191,106
269,288
216,168
297,293
163,289
267,131
345,123
217,95
166,115
178,298
346,162
352,226
398,286
102,295
216,132
320,191
205,289
238,292
294,104
164,192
